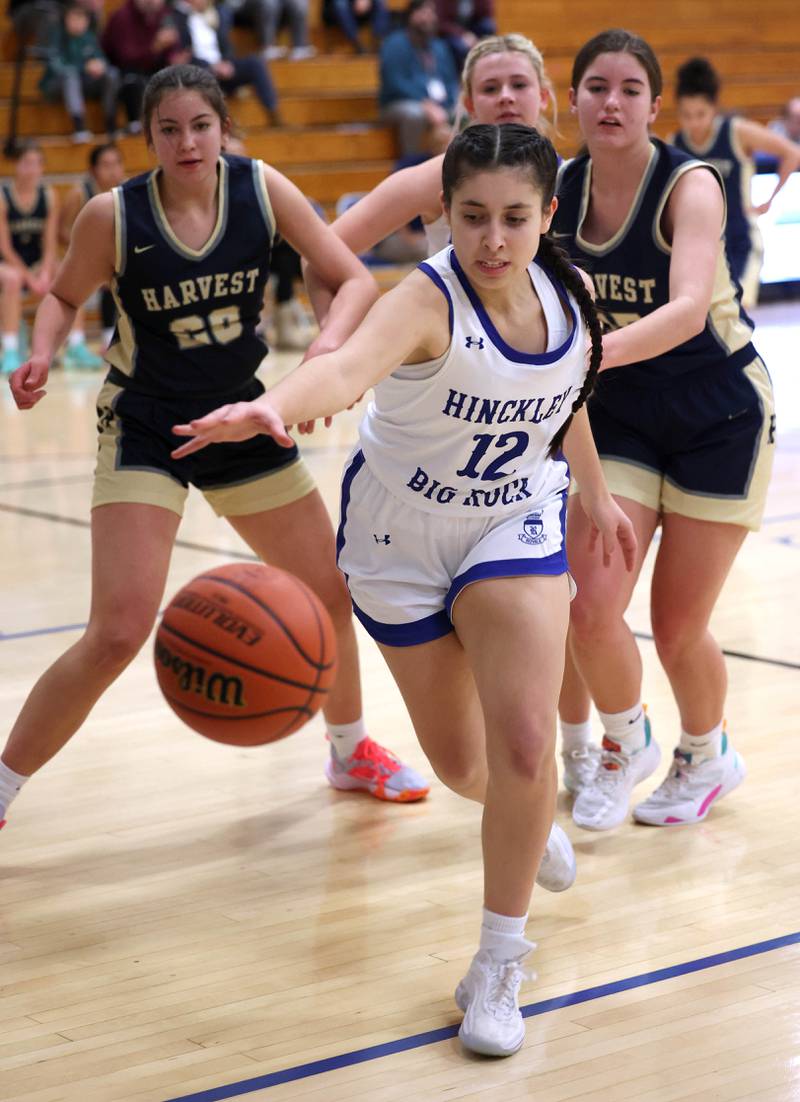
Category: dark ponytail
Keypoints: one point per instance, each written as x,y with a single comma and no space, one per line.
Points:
556,261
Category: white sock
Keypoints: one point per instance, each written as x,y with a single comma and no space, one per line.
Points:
77,336
702,747
10,342
575,736
503,935
10,784
345,737
625,728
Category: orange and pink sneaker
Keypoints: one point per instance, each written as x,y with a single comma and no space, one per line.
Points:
371,768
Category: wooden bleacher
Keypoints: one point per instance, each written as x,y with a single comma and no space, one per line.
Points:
332,141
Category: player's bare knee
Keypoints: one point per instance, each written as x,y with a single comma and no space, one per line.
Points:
589,618
675,634
116,642
10,280
461,774
525,751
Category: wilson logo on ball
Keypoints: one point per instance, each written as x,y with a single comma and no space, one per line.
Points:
216,687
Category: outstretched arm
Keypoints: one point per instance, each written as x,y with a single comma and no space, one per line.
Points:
409,324
395,202
353,288
755,138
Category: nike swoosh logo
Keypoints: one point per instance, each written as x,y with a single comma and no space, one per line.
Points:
142,248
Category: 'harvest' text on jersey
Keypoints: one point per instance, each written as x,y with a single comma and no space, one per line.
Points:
202,303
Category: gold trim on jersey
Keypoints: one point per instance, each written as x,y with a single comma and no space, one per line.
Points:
726,326
658,237
120,251
613,241
162,222
122,352
260,184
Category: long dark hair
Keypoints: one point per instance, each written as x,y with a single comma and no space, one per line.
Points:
482,148
618,41
191,78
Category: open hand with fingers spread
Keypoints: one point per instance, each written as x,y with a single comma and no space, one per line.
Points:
239,421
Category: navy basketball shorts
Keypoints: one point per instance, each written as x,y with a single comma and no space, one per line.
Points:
701,447
405,568
134,464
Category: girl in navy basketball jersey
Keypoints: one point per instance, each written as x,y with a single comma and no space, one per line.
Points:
453,508
28,243
186,250
730,143
682,417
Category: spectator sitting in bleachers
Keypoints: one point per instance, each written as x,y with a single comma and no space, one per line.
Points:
462,23
28,245
76,67
203,29
418,82
349,15
266,16
139,39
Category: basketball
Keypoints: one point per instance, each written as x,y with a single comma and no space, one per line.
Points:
245,654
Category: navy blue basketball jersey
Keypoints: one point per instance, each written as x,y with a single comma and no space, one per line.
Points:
27,226
88,189
723,151
187,317
631,270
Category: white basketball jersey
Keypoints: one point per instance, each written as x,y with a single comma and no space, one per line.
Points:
471,436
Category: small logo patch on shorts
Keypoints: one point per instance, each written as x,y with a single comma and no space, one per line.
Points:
534,529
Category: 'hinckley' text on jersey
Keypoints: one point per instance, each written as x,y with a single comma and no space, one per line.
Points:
469,434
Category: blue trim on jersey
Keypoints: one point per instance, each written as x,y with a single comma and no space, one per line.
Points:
347,482
406,635
512,353
440,283
550,565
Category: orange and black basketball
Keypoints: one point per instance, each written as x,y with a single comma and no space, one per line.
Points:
245,654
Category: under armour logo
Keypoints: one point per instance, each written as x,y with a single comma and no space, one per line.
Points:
771,437
477,341
382,539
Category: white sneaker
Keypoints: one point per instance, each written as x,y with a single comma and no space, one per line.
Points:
302,53
558,868
580,767
274,53
489,995
603,803
690,789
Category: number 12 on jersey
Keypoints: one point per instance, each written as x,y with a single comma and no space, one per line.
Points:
514,444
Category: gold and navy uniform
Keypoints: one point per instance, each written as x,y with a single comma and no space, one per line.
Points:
723,151
689,430
26,227
185,343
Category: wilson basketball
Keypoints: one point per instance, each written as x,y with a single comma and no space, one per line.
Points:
245,654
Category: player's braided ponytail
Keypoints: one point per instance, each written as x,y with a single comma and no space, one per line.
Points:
557,262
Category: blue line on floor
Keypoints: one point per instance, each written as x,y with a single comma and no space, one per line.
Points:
433,1036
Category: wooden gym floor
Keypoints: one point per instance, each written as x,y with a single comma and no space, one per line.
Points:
183,920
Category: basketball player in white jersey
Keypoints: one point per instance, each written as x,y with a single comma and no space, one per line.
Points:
504,80
453,507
